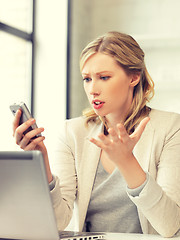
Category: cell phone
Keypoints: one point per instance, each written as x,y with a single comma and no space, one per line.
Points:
25,115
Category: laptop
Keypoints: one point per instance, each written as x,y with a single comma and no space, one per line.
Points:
26,210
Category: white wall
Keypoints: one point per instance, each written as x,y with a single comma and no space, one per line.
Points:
154,24
50,66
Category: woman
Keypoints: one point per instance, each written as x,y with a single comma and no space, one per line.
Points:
119,164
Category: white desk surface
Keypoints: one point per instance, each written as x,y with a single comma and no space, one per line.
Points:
129,236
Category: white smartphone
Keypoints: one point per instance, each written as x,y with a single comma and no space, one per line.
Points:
25,115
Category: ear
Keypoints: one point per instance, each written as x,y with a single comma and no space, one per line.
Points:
135,79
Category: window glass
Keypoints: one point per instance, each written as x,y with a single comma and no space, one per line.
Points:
15,77
17,13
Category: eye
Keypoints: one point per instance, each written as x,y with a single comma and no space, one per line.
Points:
104,77
86,79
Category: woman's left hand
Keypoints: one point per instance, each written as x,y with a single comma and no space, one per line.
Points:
118,145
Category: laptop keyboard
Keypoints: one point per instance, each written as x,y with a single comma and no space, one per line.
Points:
70,235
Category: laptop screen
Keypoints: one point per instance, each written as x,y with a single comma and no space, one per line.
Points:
25,204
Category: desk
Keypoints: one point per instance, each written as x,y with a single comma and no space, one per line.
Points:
130,236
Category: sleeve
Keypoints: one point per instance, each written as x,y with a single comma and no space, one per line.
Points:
159,201
63,169
136,191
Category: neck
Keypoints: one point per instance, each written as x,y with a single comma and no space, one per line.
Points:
114,118
112,121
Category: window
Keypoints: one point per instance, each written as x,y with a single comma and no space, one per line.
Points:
16,61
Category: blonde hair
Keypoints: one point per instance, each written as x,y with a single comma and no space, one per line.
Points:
128,54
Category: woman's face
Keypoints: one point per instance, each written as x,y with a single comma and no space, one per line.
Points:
109,89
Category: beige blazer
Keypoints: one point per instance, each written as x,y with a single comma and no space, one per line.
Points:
158,152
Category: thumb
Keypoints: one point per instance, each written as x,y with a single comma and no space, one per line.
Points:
140,129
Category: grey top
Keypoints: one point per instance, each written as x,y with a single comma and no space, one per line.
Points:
110,209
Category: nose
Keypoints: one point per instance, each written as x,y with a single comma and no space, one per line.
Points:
94,89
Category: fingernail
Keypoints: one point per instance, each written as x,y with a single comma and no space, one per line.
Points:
18,112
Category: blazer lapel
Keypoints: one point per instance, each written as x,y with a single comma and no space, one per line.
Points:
89,162
142,152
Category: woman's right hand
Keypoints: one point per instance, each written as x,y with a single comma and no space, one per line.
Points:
27,141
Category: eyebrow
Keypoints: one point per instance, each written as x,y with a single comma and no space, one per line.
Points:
98,73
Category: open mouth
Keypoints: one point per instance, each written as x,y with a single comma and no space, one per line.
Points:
98,104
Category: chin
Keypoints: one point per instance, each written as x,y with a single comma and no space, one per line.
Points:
101,114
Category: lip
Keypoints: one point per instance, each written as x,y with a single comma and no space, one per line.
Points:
95,106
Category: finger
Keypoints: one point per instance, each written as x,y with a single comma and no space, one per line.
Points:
28,137
113,135
33,144
140,128
104,139
16,120
97,143
21,129
123,135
